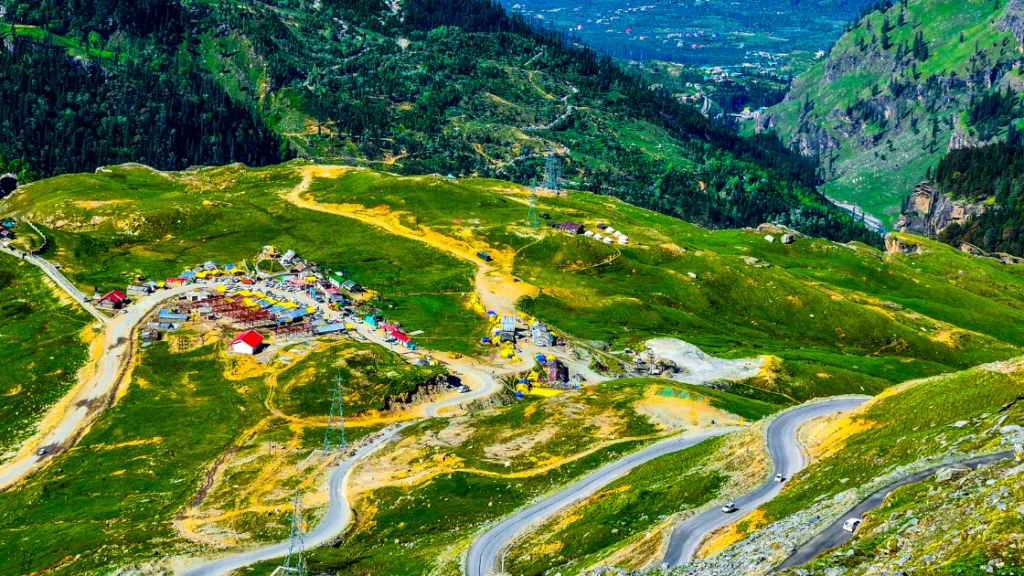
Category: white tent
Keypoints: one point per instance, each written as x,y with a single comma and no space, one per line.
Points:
598,237
608,241
623,240
609,230
588,233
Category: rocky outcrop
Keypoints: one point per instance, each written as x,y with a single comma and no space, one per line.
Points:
899,245
972,249
929,211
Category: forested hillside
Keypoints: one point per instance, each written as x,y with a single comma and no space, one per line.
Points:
421,87
996,173
907,83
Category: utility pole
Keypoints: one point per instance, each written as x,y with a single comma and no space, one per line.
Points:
334,436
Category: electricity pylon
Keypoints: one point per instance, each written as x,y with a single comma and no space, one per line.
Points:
531,214
295,561
334,436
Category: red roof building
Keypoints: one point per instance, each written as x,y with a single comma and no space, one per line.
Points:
247,342
113,300
403,338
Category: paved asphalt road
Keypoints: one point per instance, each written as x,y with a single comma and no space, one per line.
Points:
334,521
834,536
484,552
785,453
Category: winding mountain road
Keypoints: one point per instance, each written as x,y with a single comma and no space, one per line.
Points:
835,536
74,413
788,460
486,550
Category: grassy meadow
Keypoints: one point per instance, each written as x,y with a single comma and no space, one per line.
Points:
42,347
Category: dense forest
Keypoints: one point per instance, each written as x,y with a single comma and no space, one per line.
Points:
430,87
995,171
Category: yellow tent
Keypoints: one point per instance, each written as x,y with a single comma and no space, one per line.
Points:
310,279
349,326
202,274
289,305
311,310
220,289
243,293
161,284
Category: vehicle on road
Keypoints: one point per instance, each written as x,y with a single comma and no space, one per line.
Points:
779,478
729,508
42,452
851,524
464,389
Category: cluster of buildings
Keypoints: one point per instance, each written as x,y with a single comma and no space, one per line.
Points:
7,226
604,232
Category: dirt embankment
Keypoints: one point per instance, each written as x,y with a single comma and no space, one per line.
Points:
697,367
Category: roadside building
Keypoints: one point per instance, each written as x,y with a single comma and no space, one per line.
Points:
351,287
557,371
247,342
139,290
6,233
113,300
571,228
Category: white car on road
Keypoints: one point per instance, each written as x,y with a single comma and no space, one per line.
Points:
729,508
851,524
779,478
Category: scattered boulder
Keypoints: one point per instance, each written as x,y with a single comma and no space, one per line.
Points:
769,238
1007,258
901,245
788,238
972,249
691,275
951,473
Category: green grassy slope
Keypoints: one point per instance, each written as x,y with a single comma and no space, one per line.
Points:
841,318
844,318
41,348
459,482
880,117
111,499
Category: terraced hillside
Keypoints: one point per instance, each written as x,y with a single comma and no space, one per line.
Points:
900,89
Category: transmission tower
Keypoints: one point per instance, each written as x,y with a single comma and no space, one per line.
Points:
334,436
553,173
531,214
295,562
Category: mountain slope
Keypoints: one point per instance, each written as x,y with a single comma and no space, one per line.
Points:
894,94
424,87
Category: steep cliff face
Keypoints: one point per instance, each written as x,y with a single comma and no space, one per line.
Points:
889,100
929,211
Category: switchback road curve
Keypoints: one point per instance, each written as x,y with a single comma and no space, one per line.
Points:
485,551
788,460
834,536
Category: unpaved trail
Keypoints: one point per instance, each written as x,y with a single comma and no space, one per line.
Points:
495,286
